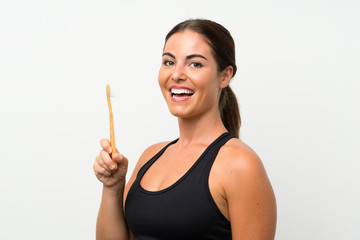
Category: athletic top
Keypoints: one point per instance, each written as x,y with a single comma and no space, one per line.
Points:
185,210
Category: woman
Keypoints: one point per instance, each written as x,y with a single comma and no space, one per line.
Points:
207,184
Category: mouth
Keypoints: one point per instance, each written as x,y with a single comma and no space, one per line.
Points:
181,94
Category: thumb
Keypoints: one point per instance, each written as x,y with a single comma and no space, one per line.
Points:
120,159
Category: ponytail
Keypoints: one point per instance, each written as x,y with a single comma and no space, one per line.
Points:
229,110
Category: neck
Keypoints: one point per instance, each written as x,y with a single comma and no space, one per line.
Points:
204,128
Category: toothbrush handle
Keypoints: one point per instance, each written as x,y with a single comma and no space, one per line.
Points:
112,135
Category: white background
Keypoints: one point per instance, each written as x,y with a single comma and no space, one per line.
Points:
297,85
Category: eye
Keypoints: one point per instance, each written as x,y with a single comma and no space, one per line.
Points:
168,63
196,65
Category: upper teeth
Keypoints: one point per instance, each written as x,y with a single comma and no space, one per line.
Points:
181,91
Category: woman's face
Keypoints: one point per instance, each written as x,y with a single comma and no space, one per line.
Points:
188,77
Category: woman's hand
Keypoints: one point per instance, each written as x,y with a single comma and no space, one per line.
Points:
105,169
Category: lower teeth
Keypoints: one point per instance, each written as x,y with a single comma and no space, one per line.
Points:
181,96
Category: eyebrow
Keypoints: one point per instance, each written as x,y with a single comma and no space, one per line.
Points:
187,57
168,54
195,56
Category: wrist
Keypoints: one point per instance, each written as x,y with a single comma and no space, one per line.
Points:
115,190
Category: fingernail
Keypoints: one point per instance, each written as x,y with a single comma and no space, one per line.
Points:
109,150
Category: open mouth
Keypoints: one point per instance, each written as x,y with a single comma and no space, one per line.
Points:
181,94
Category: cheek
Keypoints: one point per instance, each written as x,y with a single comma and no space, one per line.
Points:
211,91
162,77
209,83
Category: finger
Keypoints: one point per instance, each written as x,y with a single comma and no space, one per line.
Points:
107,162
118,157
121,160
100,162
122,167
105,144
100,171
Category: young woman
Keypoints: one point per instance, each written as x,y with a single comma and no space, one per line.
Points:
207,184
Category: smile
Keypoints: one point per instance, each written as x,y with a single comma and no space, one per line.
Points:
181,94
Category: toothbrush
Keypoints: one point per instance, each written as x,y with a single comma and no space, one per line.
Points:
112,135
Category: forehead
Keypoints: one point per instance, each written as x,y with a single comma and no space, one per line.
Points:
187,42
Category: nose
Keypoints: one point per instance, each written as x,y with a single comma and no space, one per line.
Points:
178,73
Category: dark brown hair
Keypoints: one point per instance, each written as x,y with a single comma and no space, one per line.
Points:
223,49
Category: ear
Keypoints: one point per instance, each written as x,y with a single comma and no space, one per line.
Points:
226,76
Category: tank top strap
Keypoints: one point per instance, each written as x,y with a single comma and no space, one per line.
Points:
213,150
210,154
148,164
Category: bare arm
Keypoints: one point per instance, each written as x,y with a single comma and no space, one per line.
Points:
111,223
250,197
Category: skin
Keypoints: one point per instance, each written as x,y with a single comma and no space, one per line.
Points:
238,182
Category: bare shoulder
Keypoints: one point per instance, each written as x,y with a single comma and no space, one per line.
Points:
242,168
237,157
248,192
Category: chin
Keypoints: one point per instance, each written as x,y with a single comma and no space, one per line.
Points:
177,113
180,113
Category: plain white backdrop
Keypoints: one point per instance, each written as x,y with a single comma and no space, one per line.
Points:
297,85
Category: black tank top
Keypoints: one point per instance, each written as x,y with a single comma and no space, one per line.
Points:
185,210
